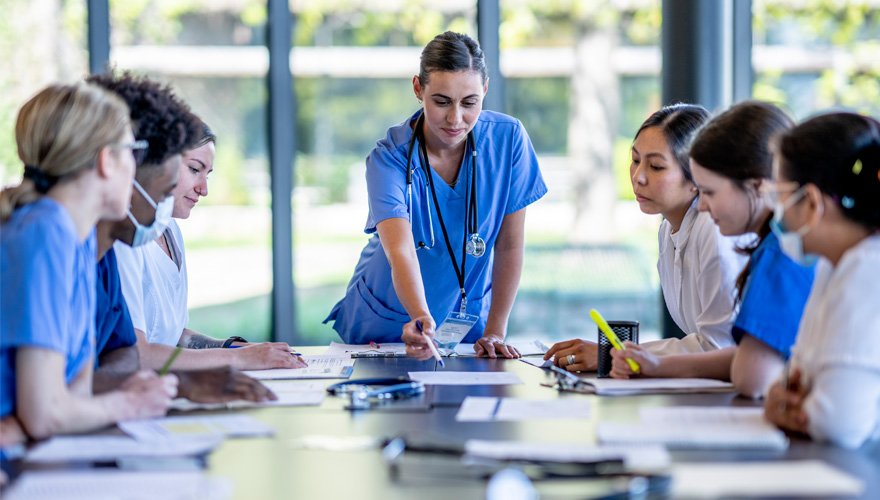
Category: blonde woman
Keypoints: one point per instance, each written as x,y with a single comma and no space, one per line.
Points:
77,147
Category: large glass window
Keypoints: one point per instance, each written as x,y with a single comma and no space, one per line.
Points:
41,42
814,55
582,76
214,57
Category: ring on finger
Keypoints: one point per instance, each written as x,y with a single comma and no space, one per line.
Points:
570,359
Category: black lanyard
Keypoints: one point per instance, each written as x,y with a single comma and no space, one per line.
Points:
471,191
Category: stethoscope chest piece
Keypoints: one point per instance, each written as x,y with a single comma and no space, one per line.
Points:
475,246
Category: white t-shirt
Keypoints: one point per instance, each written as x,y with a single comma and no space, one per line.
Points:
838,347
698,269
155,287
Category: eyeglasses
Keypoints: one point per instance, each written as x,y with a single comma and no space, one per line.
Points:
138,149
771,190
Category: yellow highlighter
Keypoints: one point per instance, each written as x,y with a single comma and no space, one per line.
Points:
612,337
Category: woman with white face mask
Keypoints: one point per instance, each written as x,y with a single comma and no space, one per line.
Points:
730,160
826,197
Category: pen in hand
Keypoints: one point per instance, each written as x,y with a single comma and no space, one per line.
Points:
430,342
167,366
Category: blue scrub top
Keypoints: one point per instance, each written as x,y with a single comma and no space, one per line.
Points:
48,291
774,298
508,180
113,326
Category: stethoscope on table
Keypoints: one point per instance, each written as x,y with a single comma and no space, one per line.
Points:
473,243
363,393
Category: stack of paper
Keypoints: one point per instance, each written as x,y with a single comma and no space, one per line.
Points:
485,409
791,479
697,428
634,457
100,484
323,366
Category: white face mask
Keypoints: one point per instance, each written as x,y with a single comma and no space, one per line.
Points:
791,242
145,234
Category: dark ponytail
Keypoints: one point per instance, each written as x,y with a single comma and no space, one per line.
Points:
840,154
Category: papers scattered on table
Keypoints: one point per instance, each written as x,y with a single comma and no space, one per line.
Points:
484,409
694,427
802,478
634,457
107,448
105,484
396,349
465,378
289,392
175,428
615,387
323,366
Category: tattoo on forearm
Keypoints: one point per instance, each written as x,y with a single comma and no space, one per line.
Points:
199,341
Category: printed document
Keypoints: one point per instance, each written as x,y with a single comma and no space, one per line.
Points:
465,378
487,409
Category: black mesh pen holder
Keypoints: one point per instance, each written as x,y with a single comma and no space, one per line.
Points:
625,331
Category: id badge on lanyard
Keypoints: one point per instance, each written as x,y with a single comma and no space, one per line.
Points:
453,329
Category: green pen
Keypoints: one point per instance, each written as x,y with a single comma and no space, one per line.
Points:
167,366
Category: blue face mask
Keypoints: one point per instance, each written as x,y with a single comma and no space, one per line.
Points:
791,242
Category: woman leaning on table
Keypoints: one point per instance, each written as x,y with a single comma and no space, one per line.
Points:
448,188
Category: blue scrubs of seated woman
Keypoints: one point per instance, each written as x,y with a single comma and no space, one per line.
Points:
76,143
448,180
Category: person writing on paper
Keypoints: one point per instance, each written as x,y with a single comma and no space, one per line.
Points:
826,205
154,282
697,265
76,144
448,190
167,126
731,160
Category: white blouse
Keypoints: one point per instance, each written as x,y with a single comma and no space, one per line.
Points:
155,287
698,269
838,348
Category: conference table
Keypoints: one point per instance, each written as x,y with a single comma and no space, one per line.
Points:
331,452
328,451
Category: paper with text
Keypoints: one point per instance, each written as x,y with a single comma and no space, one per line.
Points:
320,366
289,392
179,427
105,448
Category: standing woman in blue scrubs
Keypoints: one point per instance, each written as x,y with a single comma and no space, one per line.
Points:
447,190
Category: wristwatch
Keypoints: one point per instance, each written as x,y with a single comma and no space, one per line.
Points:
228,342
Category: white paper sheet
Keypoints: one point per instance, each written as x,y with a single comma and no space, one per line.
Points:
321,366
107,484
289,392
184,427
466,378
611,387
801,478
634,457
105,448
694,436
537,361
487,409
701,415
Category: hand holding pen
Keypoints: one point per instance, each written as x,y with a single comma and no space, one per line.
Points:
414,336
785,400
431,345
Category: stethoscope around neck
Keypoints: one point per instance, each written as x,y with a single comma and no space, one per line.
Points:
474,244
